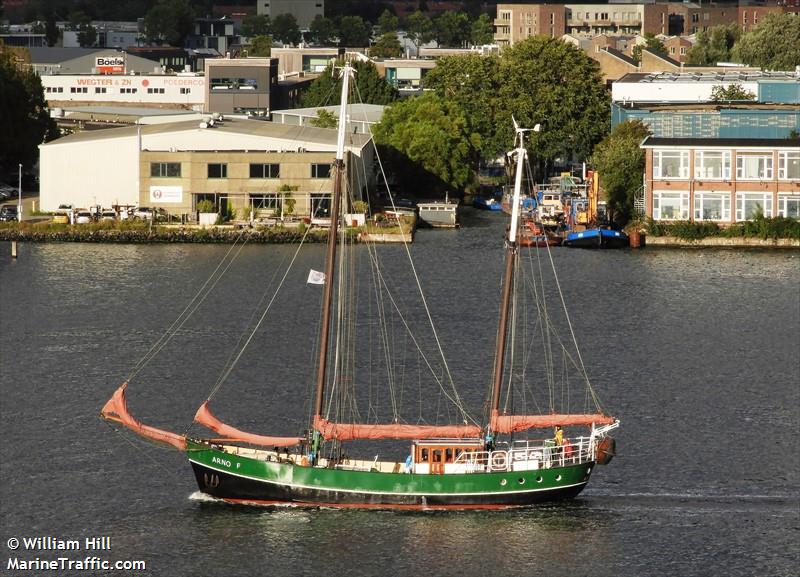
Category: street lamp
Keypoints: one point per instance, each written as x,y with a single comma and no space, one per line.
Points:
19,206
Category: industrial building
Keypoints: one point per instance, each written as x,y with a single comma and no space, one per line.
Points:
237,164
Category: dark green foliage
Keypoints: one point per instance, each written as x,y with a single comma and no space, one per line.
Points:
26,121
354,32
324,119
321,30
772,45
452,29
371,88
731,92
419,29
285,29
760,227
426,144
87,35
652,43
256,25
620,163
387,46
387,22
51,31
260,46
482,30
170,22
715,45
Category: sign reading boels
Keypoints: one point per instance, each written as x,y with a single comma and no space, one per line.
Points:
110,64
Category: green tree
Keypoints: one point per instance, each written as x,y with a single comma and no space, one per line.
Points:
773,45
26,121
388,22
387,46
482,30
715,45
260,46
472,82
652,43
322,30
324,119
169,21
452,28
285,29
87,35
426,144
731,92
255,25
51,31
419,29
353,31
371,88
547,81
620,164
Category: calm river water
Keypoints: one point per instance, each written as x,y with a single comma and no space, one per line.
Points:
697,352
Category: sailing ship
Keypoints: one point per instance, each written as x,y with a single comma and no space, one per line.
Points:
492,463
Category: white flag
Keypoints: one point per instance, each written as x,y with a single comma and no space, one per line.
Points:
315,277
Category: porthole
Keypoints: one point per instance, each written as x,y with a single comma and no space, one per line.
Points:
521,480
539,479
503,482
558,477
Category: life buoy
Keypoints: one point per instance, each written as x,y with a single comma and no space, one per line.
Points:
304,461
499,460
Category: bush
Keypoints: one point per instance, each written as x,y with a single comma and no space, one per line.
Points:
205,206
759,227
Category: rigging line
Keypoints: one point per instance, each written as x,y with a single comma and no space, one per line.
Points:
582,367
454,400
258,307
531,288
140,447
419,289
224,376
180,320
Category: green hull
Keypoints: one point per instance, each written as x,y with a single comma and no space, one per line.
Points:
241,479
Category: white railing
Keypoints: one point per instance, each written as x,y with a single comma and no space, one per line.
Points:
529,455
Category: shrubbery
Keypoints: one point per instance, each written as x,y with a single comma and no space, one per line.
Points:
760,227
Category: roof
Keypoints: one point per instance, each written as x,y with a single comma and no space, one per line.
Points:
55,55
705,75
622,56
356,112
652,141
323,136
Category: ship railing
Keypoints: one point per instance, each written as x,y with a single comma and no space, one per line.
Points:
529,455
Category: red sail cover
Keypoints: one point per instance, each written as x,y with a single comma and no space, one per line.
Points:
516,423
116,409
350,431
205,418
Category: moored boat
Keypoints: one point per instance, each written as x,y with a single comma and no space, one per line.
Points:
597,238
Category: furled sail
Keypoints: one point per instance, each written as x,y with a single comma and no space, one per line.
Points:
116,409
351,431
207,419
516,423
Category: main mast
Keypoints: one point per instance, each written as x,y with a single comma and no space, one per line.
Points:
330,261
508,277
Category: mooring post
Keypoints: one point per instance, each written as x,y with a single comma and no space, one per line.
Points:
13,249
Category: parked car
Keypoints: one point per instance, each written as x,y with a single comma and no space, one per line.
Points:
7,192
8,212
64,208
83,217
108,215
142,212
61,218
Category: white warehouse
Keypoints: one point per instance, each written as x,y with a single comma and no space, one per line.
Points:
240,164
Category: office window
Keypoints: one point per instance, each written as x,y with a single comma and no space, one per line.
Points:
267,202
673,164
186,90
265,171
789,205
713,206
754,166
165,169
749,204
217,171
320,171
789,165
712,164
670,205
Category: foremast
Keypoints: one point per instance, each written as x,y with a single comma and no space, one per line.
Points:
330,260
508,276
